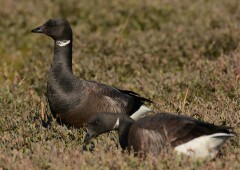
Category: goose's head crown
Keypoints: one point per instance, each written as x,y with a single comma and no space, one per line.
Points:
101,123
58,29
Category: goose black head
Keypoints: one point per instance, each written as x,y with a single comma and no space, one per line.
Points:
58,29
101,123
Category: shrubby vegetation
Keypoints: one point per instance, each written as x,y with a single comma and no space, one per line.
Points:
184,55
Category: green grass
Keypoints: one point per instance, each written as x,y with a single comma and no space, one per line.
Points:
184,55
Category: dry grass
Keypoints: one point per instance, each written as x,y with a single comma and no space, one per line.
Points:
184,55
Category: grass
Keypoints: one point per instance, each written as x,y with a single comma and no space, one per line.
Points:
184,55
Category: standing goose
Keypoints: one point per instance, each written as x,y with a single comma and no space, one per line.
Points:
73,101
154,133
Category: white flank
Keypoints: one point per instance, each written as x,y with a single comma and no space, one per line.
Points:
63,43
140,112
204,146
116,124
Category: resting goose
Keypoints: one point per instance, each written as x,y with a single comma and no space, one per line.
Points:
73,101
154,133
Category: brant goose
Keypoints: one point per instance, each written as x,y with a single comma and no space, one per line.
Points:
154,133
73,101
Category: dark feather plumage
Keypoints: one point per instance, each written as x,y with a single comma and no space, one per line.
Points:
168,128
157,132
73,101
136,96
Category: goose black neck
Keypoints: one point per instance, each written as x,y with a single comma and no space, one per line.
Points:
63,56
124,127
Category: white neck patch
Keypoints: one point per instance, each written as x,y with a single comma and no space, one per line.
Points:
63,43
116,125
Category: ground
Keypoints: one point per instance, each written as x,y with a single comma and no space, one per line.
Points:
183,55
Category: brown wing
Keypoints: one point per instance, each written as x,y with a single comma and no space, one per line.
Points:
162,129
144,141
110,99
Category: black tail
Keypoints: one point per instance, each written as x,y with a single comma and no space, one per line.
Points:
136,96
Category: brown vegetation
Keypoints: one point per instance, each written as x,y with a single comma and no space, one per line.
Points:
184,55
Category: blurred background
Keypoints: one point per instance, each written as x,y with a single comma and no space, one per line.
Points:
184,55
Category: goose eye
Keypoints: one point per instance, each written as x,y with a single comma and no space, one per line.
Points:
52,24
96,122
